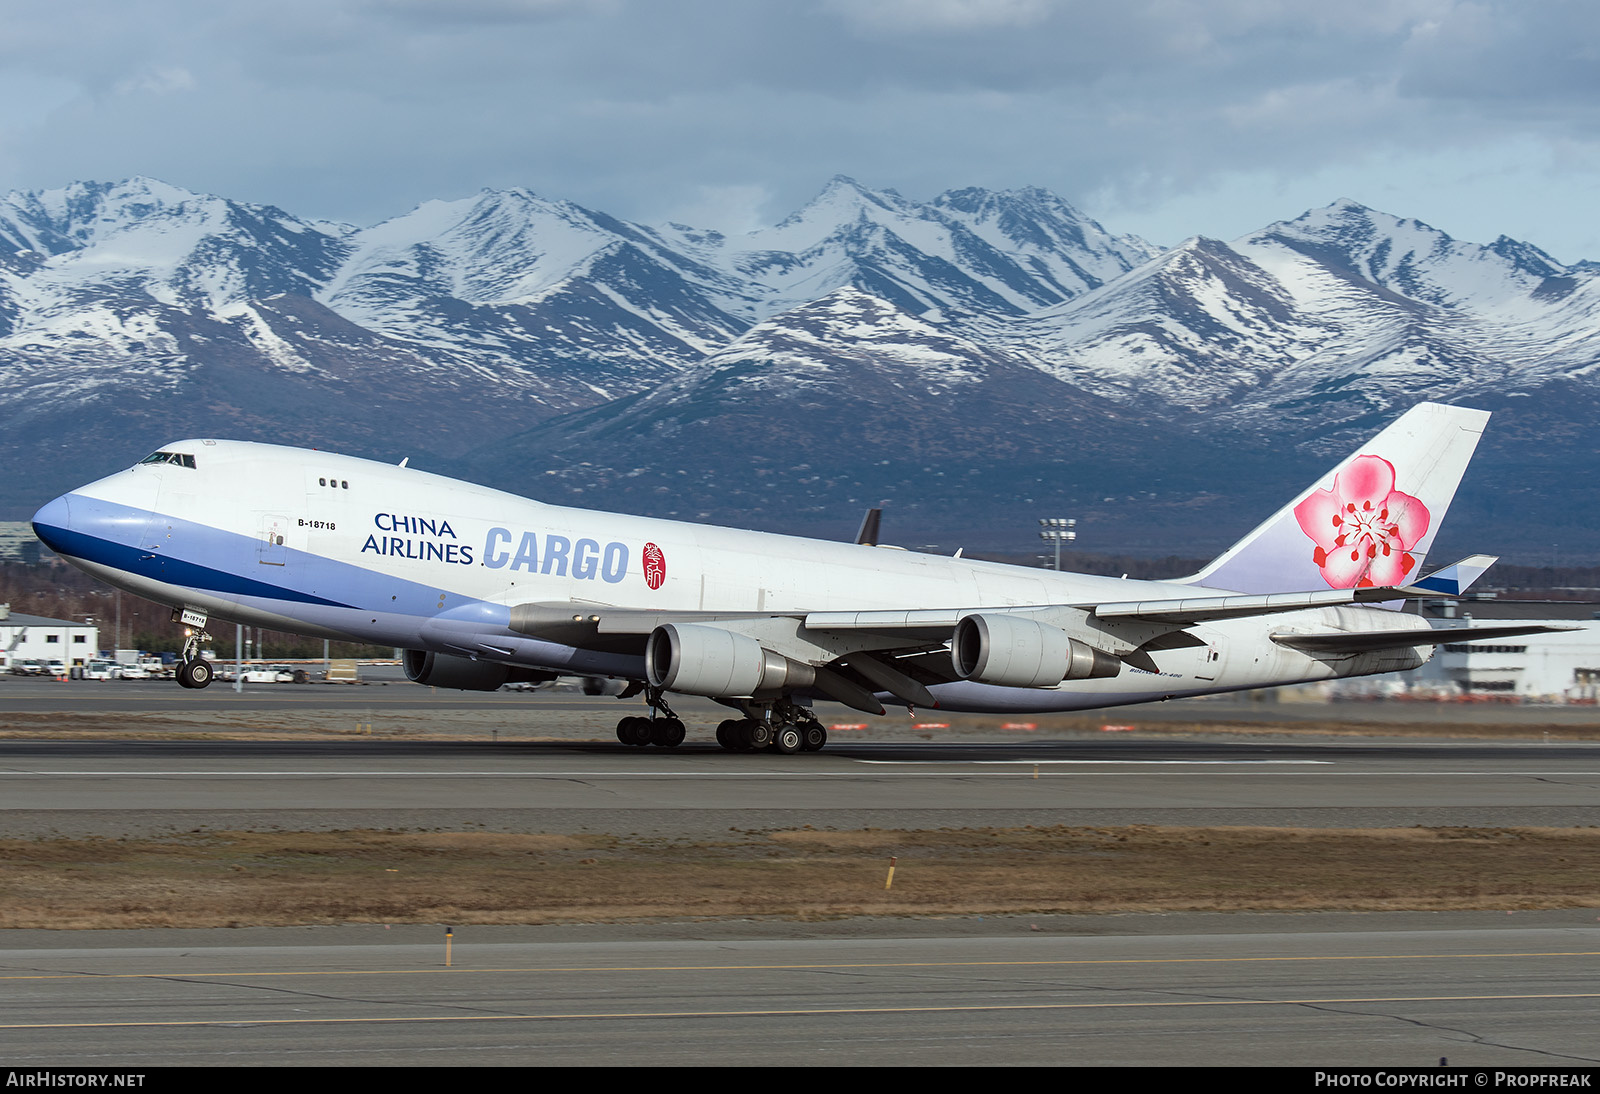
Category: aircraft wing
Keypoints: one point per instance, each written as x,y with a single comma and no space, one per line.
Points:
1451,580
1118,627
1447,581
850,654
1191,610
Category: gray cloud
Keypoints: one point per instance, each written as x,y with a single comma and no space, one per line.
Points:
652,108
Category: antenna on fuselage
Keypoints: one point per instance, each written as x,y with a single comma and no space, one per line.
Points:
405,461
867,534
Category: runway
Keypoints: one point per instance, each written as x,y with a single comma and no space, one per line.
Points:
140,787
1275,993
1401,989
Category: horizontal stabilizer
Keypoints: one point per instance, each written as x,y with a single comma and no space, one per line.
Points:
1354,642
1456,578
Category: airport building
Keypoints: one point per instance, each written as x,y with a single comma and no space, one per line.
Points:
1553,667
18,543
39,638
1562,666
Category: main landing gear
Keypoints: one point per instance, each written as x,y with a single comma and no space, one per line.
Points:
666,732
781,726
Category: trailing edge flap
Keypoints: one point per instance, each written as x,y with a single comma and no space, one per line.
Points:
1354,642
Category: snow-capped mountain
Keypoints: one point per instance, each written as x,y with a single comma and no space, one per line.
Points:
1343,305
967,251
817,411
865,346
143,237
545,303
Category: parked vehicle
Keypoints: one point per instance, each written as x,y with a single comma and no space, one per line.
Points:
101,670
260,674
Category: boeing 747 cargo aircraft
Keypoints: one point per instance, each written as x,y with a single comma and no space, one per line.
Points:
482,588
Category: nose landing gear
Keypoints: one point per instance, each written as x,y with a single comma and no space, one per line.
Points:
195,674
194,671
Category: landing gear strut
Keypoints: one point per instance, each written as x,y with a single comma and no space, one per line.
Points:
664,732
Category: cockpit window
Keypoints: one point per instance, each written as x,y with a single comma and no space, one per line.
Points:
182,459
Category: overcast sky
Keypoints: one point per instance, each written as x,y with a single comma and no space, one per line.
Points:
1159,117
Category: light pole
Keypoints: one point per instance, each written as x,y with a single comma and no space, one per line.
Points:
1057,530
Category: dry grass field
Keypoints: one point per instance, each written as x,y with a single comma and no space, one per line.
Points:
282,878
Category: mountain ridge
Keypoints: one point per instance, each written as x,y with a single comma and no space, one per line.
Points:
979,329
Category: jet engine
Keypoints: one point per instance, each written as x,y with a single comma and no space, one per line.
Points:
1017,652
443,670
701,660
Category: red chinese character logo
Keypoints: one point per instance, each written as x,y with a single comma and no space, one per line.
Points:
655,566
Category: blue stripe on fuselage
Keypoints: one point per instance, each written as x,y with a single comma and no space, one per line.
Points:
210,560
165,568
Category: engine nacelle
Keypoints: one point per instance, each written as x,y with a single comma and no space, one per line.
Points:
1016,652
444,670
701,660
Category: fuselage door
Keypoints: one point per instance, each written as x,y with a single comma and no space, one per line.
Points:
270,546
1212,659
155,536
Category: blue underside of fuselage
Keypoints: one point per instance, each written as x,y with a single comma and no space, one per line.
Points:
140,562
216,565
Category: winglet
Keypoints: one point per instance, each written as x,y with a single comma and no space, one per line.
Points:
1456,578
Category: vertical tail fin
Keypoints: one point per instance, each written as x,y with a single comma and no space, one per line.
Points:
1369,521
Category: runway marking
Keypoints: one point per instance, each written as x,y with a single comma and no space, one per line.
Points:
1042,762
803,1012
797,967
661,774
948,768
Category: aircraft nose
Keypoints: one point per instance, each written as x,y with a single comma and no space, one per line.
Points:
52,521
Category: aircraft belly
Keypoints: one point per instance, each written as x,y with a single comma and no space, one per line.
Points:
966,696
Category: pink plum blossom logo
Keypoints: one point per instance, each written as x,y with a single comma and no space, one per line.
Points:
1363,527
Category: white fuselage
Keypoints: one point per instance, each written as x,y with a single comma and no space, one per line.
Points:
337,546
